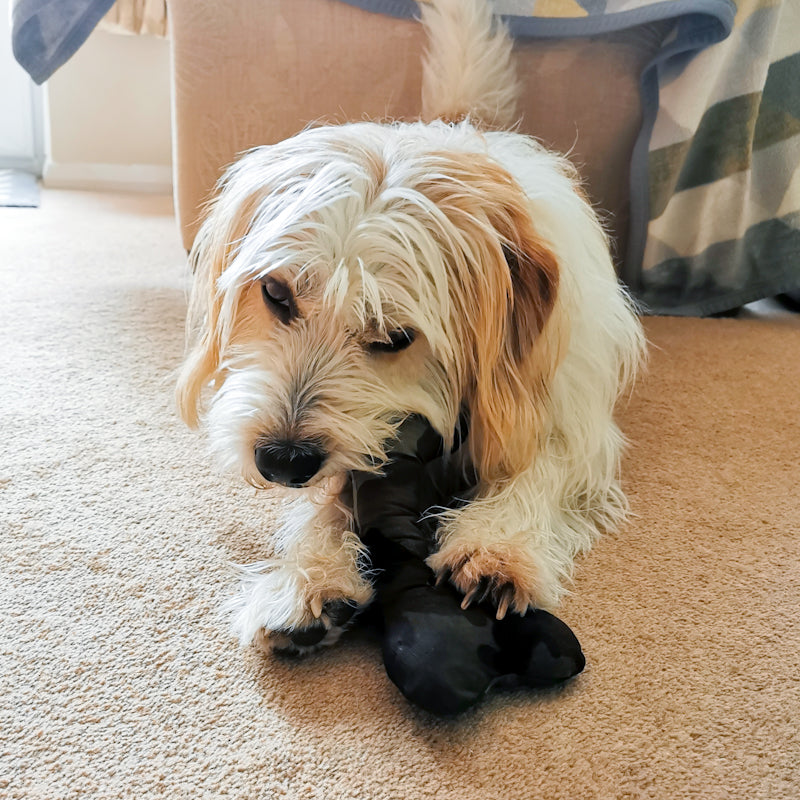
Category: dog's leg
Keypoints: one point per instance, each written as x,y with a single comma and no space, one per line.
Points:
516,542
304,598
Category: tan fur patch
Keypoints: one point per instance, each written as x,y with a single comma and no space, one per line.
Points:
503,568
508,300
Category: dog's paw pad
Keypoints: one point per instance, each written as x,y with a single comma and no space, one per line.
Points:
339,613
335,616
308,637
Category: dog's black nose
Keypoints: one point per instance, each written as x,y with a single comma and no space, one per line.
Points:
290,463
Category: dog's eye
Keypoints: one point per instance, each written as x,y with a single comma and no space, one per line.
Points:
397,340
278,297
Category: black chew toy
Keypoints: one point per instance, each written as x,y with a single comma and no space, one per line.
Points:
441,657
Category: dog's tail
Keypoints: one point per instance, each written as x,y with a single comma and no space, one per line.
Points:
468,70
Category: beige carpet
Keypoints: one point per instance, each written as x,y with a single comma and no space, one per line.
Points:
118,679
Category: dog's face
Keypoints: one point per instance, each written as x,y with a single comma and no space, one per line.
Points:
351,276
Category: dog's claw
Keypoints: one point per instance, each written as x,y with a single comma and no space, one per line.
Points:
486,583
315,606
448,572
506,596
479,592
468,597
496,589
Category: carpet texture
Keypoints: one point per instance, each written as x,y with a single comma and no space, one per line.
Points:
118,678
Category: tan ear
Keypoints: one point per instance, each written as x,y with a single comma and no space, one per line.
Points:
200,367
507,306
512,375
534,282
227,220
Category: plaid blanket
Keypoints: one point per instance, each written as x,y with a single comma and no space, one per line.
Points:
722,177
715,184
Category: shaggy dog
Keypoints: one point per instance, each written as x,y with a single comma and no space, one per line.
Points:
353,275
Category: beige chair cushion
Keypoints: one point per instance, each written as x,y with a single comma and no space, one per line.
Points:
250,72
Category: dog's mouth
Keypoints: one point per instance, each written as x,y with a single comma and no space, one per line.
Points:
315,461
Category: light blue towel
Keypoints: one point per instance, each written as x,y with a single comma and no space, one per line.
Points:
45,33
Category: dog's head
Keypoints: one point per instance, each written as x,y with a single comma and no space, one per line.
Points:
351,276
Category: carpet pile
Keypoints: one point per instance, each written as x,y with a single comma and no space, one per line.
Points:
118,678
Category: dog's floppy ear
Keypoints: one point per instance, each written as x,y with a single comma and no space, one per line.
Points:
534,285
228,217
505,281
207,260
512,373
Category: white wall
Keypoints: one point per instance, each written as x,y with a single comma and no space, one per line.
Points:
21,117
109,115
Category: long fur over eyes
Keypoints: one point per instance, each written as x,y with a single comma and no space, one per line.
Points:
445,238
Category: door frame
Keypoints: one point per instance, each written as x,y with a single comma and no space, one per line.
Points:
33,163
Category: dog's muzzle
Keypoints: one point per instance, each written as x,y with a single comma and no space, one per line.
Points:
289,463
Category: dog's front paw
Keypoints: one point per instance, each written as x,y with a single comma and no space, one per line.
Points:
335,618
288,610
505,575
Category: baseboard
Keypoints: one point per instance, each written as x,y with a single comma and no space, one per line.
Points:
155,178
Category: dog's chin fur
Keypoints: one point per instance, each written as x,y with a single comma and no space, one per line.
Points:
481,244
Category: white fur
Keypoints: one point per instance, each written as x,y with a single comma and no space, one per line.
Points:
318,561
468,67
344,215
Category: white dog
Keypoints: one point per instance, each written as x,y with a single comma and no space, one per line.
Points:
354,275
